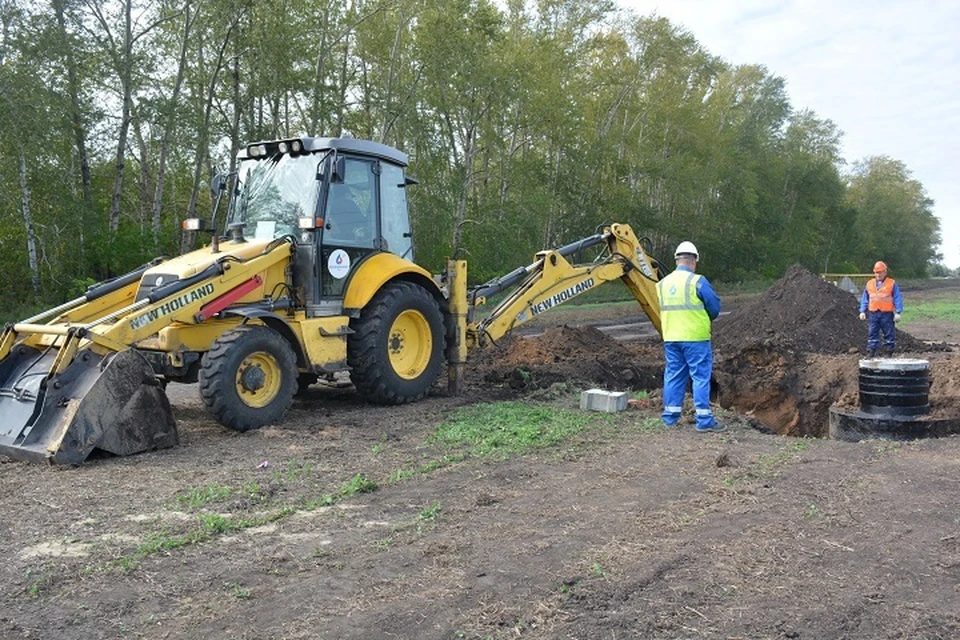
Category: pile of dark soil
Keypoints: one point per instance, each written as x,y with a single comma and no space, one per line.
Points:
801,313
579,356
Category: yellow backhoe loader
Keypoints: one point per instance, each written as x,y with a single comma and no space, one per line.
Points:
315,276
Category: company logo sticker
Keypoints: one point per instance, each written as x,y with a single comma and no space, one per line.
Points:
338,264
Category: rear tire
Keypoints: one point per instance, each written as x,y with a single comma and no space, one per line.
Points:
396,351
248,378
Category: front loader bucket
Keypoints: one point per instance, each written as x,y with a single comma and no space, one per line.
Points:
113,403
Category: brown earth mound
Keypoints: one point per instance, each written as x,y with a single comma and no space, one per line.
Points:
790,354
802,313
579,356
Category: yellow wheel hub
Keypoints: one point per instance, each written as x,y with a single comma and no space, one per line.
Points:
258,379
410,344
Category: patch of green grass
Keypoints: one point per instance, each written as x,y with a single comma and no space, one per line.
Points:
200,496
945,310
399,475
211,525
650,424
731,481
295,469
509,428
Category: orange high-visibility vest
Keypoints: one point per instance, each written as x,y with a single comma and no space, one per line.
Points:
881,299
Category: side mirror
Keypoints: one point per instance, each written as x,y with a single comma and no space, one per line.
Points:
338,170
218,184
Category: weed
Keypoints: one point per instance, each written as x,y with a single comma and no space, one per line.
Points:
732,481
598,570
200,496
376,449
295,469
399,475
253,490
237,590
432,512
812,512
889,447
216,523
326,500
357,484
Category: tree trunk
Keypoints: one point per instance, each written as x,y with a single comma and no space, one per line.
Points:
202,148
76,118
28,225
168,128
126,79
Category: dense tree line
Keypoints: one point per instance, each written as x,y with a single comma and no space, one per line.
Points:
528,124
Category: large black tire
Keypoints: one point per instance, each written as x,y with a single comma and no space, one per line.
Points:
396,351
248,378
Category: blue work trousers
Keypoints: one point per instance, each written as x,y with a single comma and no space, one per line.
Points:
880,322
687,361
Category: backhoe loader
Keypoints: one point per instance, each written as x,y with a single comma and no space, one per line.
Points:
315,276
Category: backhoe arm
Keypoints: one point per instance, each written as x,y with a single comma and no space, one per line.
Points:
552,280
548,282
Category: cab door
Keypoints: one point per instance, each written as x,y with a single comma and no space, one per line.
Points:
351,227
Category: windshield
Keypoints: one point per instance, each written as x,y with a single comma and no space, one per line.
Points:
272,194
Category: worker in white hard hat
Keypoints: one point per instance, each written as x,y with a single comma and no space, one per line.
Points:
688,306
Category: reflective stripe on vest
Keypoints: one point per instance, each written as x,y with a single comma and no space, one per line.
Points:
682,315
881,299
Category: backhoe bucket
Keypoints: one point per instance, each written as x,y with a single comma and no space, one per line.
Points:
113,403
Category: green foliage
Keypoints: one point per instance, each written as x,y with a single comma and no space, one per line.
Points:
358,484
527,124
201,496
509,428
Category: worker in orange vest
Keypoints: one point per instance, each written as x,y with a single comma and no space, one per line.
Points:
881,297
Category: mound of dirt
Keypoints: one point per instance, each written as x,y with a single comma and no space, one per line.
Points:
579,356
802,313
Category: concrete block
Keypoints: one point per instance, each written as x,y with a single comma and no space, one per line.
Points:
606,401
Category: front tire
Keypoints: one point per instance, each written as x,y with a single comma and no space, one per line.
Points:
396,351
248,378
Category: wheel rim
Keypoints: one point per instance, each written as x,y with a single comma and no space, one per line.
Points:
258,379
410,344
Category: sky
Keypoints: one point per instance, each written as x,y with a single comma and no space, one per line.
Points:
887,72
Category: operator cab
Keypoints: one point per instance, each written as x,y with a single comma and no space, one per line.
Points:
344,199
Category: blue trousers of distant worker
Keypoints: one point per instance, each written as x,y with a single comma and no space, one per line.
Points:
687,360
880,322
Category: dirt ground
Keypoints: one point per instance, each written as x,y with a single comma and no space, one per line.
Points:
350,521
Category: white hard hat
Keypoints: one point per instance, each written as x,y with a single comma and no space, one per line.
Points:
688,248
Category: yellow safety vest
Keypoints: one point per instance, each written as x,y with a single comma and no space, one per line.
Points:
682,315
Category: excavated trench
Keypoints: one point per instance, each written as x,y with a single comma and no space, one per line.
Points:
781,361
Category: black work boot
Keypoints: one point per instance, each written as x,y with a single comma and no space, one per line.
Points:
872,353
889,352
